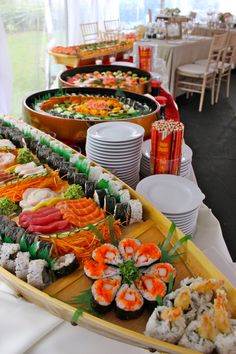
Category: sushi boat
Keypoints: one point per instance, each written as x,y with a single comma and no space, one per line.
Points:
45,110
57,297
107,76
85,54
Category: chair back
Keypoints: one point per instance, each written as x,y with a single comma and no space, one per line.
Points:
111,36
217,49
112,25
230,52
90,32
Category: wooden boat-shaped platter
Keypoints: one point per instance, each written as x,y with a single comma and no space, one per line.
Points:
56,297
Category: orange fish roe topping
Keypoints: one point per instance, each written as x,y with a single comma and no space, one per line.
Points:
152,285
96,269
130,298
105,289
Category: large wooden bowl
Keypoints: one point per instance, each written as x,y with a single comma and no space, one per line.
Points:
141,88
75,130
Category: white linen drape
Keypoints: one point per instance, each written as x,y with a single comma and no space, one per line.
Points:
5,73
80,11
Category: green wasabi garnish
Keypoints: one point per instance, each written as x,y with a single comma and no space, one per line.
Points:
74,191
24,156
7,207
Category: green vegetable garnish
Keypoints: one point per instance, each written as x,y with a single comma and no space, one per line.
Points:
7,207
74,191
24,156
128,271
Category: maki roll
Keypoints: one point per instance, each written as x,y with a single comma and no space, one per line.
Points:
80,178
136,208
200,335
65,265
63,168
54,160
18,140
43,248
97,270
99,196
22,265
94,173
89,189
71,175
163,271
225,343
34,145
104,292
129,302
122,212
29,239
43,153
147,254
184,299
9,250
15,234
114,187
166,324
128,247
124,196
150,287
108,254
109,204
39,274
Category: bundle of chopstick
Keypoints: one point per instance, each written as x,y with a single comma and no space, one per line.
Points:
166,146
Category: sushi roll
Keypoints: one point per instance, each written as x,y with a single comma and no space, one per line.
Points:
128,247
18,140
43,247
200,335
34,145
10,265
97,270
65,265
108,254
30,239
22,265
114,187
103,181
163,271
183,298
166,324
109,204
150,287
136,208
129,302
80,178
94,173
122,212
99,196
225,343
39,274
147,254
89,189
10,250
123,196
43,153
54,160
15,234
104,292
63,168
71,175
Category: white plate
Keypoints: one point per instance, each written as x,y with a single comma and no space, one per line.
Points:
115,144
113,152
117,157
171,194
116,131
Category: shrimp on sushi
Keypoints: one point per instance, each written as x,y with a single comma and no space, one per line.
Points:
150,287
129,302
147,254
128,248
108,254
200,335
104,292
166,324
225,343
97,270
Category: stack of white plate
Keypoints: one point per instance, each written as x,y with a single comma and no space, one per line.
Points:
176,197
145,165
116,146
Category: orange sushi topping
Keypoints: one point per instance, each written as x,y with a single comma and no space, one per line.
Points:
96,269
149,251
131,298
152,285
106,289
130,247
106,253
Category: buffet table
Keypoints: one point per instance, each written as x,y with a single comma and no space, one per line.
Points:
37,331
176,53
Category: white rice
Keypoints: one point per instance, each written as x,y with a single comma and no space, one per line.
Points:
164,329
37,274
124,195
115,187
94,173
226,344
136,211
22,265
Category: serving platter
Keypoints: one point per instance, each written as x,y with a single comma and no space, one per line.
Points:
57,297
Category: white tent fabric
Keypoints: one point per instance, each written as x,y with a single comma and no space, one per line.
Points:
80,11
5,73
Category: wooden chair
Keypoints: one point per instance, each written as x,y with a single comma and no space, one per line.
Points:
112,25
226,65
191,78
90,32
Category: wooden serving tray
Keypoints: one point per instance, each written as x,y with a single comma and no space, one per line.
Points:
57,296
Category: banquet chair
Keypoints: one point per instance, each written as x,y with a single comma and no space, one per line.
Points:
111,36
226,65
90,32
112,25
195,77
